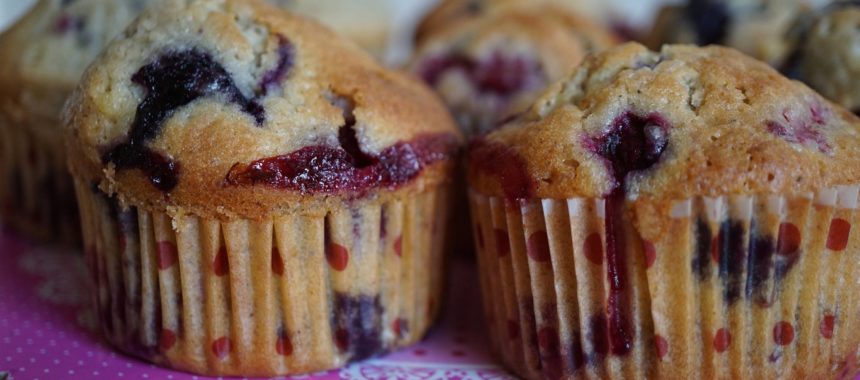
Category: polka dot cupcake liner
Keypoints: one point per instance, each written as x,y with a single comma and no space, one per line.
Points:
36,192
722,287
287,295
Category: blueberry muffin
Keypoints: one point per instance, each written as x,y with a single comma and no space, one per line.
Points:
756,27
678,214
825,56
258,196
41,59
491,67
368,22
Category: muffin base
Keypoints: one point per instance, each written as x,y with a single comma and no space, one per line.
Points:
37,197
287,295
725,287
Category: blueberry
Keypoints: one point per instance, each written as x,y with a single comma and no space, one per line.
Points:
702,258
357,323
733,257
633,143
710,20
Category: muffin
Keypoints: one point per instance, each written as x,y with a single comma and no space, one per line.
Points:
755,27
368,22
491,67
825,56
681,214
451,12
258,196
41,59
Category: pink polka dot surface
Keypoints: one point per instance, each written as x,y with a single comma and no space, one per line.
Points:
48,332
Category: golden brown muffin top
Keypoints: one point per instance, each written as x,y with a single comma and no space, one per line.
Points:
683,122
236,108
449,12
494,65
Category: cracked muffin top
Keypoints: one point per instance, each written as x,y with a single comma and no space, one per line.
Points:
44,54
236,108
825,55
491,67
683,122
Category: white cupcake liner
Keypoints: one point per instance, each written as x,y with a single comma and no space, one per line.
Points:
289,295
696,313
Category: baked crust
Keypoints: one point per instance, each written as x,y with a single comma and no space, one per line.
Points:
520,47
735,126
209,136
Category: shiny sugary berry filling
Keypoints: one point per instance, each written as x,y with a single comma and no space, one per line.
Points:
329,169
345,168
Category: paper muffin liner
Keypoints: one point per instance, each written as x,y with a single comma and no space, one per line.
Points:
723,287
37,197
287,295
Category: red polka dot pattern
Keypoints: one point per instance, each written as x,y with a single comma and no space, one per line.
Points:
277,262
122,241
398,246
537,246
337,257
513,330
826,326
399,326
661,345
167,339
548,339
783,333
221,347
722,340
837,237
788,241
650,253
221,265
503,244
715,249
593,248
284,346
341,339
167,255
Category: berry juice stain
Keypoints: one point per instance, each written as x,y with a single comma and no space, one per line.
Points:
632,144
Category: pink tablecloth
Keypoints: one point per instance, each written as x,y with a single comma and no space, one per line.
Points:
47,332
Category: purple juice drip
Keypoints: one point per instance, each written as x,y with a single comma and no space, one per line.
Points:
632,144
